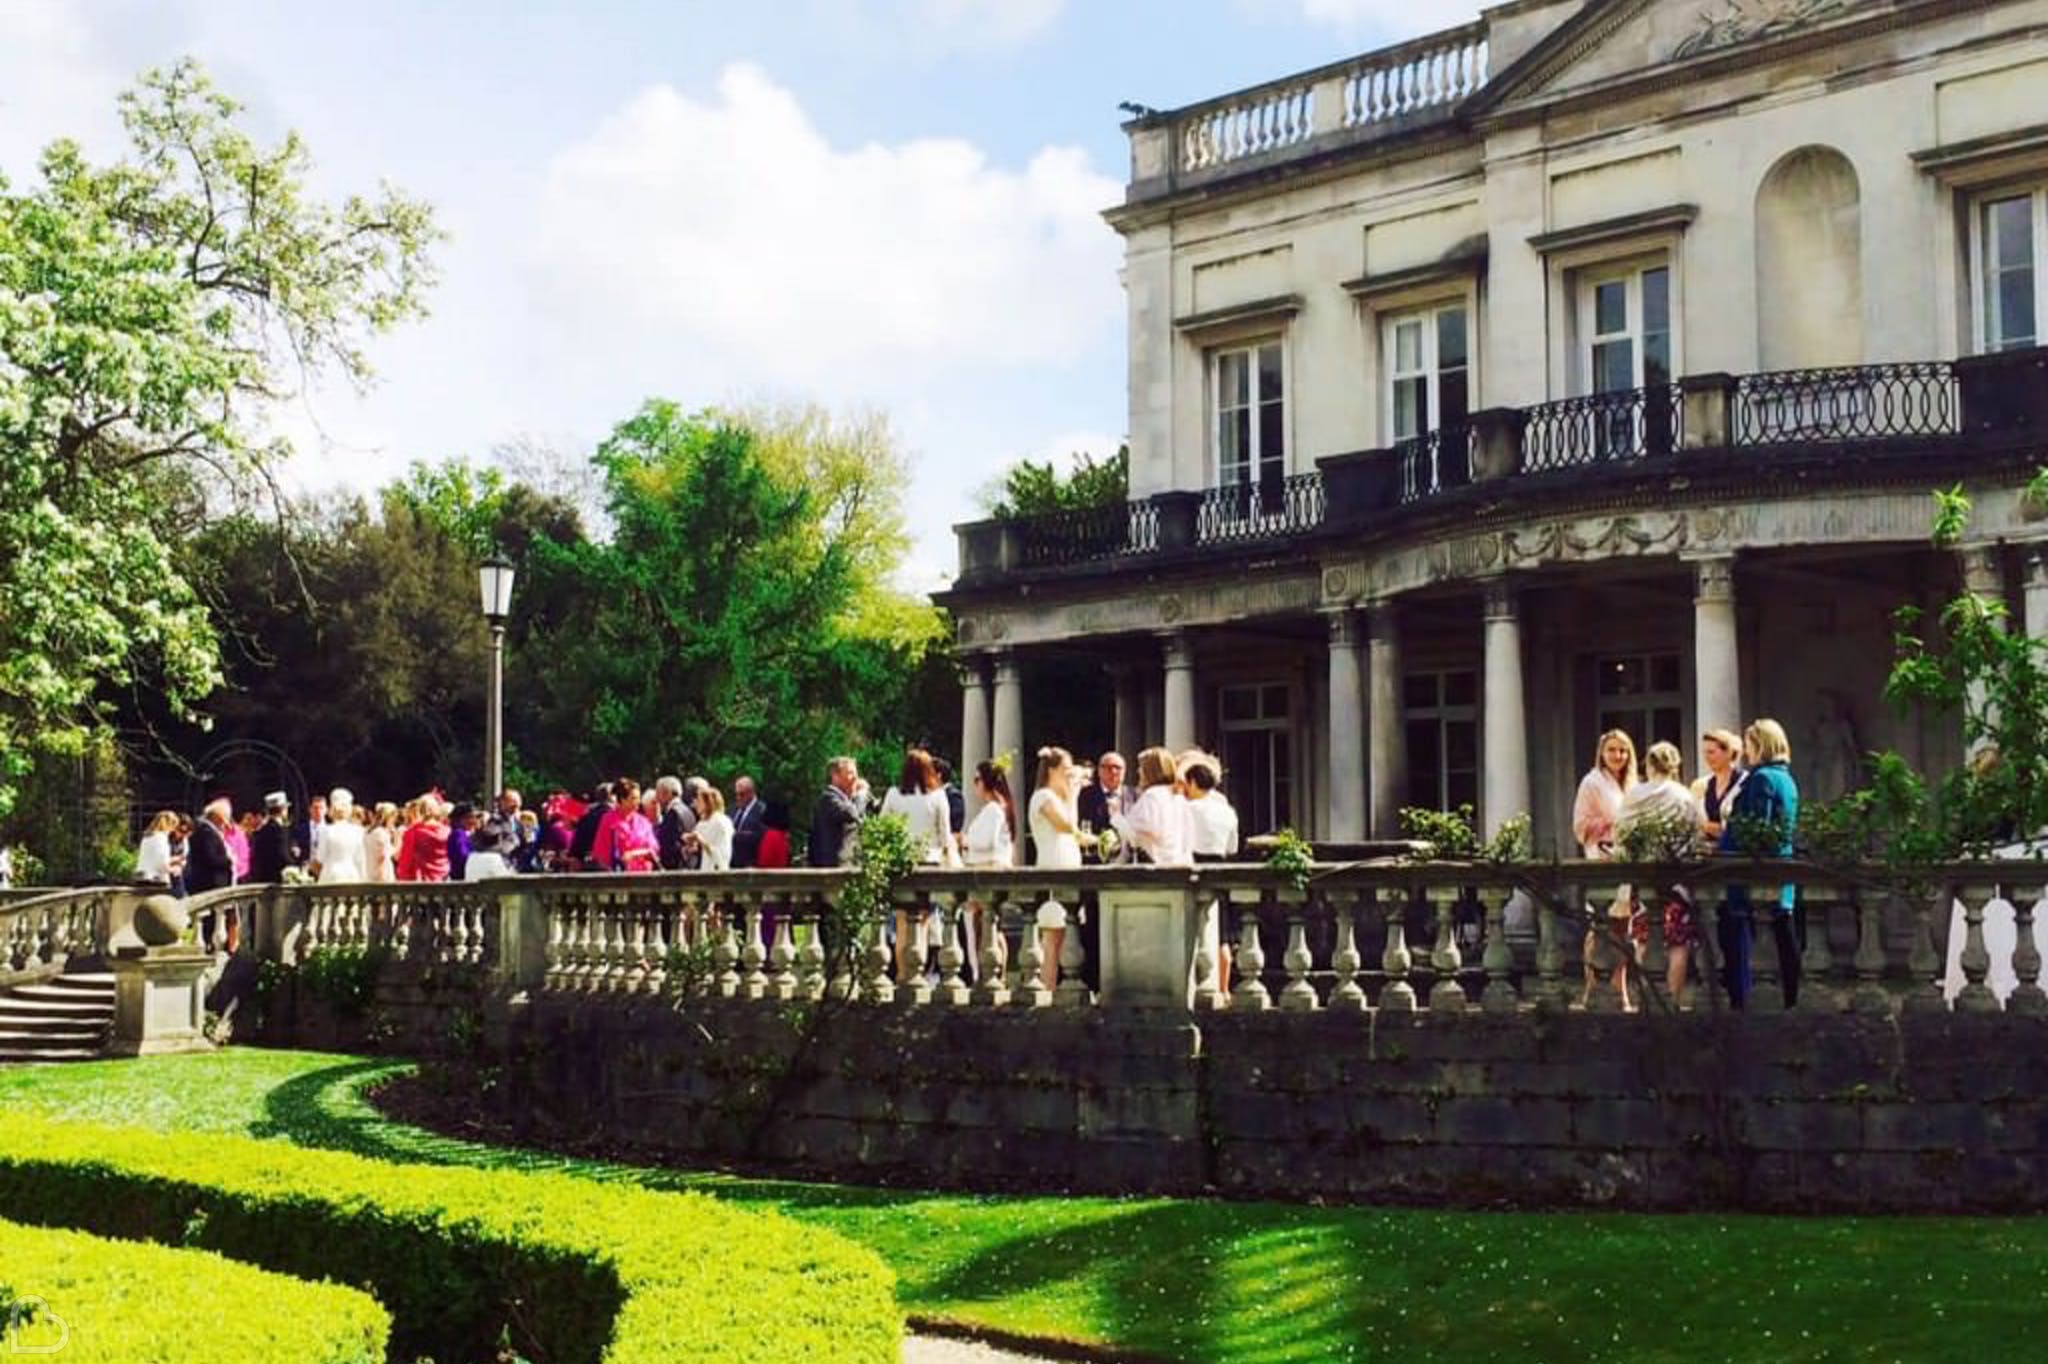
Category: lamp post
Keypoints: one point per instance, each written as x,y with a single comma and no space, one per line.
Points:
494,578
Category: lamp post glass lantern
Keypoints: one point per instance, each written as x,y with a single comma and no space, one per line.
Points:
494,582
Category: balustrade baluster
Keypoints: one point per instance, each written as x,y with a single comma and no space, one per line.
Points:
1655,962
1923,961
1250,993
809,912
1071,991
1767,992
2027,996
784,984
1498,960
1029,992
1345,959
1713,979
598,945
1550,986
913,989
952,913
633,931
725,954
1208,949
1817,960
992,989
1446,995
1600,953
660,938
1976,996
754,953
881,984
1398,994
1870,996
1297,995
454,907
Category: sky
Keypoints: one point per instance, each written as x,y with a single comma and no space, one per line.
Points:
888,205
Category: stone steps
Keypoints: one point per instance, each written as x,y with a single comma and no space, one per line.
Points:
64,1018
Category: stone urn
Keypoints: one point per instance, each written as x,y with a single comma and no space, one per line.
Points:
161,920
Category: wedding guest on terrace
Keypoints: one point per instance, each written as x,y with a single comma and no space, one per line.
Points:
1595,811
209,860
423,851
677,822
1714,792
1055,842
271,847
1104,799
625,839
836,817
920,801
714,830
1157,828
153,860
990,845
584,840
236,835
342,841
750,826
1764,816
1658,812
181,846
380,844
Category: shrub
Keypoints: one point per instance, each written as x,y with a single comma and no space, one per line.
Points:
473,1263
89,1301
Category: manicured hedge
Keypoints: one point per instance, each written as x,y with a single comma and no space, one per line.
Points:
114,1302
562,1270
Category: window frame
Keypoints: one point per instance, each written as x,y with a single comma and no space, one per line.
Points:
1428,313
1213,358
1979,203
1630,272
1442,715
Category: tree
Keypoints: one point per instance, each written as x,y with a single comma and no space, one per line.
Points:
739,618
1029,488
151,311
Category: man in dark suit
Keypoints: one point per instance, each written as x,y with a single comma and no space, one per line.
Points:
835,817
678,822
209,863
271,847
749,822
1105,798
581,842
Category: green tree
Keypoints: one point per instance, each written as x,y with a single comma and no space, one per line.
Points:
151,311
739,618
1031,488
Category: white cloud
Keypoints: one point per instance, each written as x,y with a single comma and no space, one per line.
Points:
736,223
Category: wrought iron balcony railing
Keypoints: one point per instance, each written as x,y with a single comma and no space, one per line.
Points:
1986,402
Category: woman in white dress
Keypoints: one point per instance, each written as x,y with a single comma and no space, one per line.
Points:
1660,811
1055,842
714,830
338,844
1158,828
991,845
920,799
153,860
380,843
1595,812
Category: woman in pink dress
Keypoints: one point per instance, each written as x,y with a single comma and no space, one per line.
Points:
625,837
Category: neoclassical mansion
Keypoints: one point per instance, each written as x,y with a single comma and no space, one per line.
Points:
1587,366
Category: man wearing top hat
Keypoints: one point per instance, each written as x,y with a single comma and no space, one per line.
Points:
271,848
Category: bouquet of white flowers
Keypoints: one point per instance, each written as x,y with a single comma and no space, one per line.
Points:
1107,845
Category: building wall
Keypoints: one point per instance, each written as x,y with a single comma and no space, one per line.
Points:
1709,143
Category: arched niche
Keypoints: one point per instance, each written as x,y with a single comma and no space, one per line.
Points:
1809,262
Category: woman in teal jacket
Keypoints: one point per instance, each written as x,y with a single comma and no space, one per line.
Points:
1768,799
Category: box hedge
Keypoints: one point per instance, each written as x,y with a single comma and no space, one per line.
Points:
93,1301
471,1263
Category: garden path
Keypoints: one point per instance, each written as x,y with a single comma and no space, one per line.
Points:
933,1350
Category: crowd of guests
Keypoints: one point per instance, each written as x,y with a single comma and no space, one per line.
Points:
1745,802
672,825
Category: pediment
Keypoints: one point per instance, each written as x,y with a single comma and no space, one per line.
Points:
1613,42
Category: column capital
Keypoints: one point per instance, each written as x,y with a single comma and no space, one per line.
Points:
1177,650
1713,577
973,669
1007,673
1344,627
1501,599
2034,558
1983,571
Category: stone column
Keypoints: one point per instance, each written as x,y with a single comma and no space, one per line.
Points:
1983,577
1130,709
1180,692
2036,591
1717,662
1346,801
1386,747
974,731
1504,775
1009,710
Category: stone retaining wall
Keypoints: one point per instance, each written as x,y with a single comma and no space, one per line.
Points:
1837,1112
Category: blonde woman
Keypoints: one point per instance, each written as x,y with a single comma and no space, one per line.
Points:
1765,812
380,843
1158,828
1055,842
1662,807
714,830
154,861
1595,813
1714,792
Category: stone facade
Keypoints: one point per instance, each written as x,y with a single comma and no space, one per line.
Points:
1590,363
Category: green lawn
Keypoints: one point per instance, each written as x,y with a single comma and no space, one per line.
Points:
1233,1283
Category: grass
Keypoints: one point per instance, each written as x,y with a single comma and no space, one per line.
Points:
1246,1283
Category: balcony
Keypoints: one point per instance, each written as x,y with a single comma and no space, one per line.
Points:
1716,425
1352,103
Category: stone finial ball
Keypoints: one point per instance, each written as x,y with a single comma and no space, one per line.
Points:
160,920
